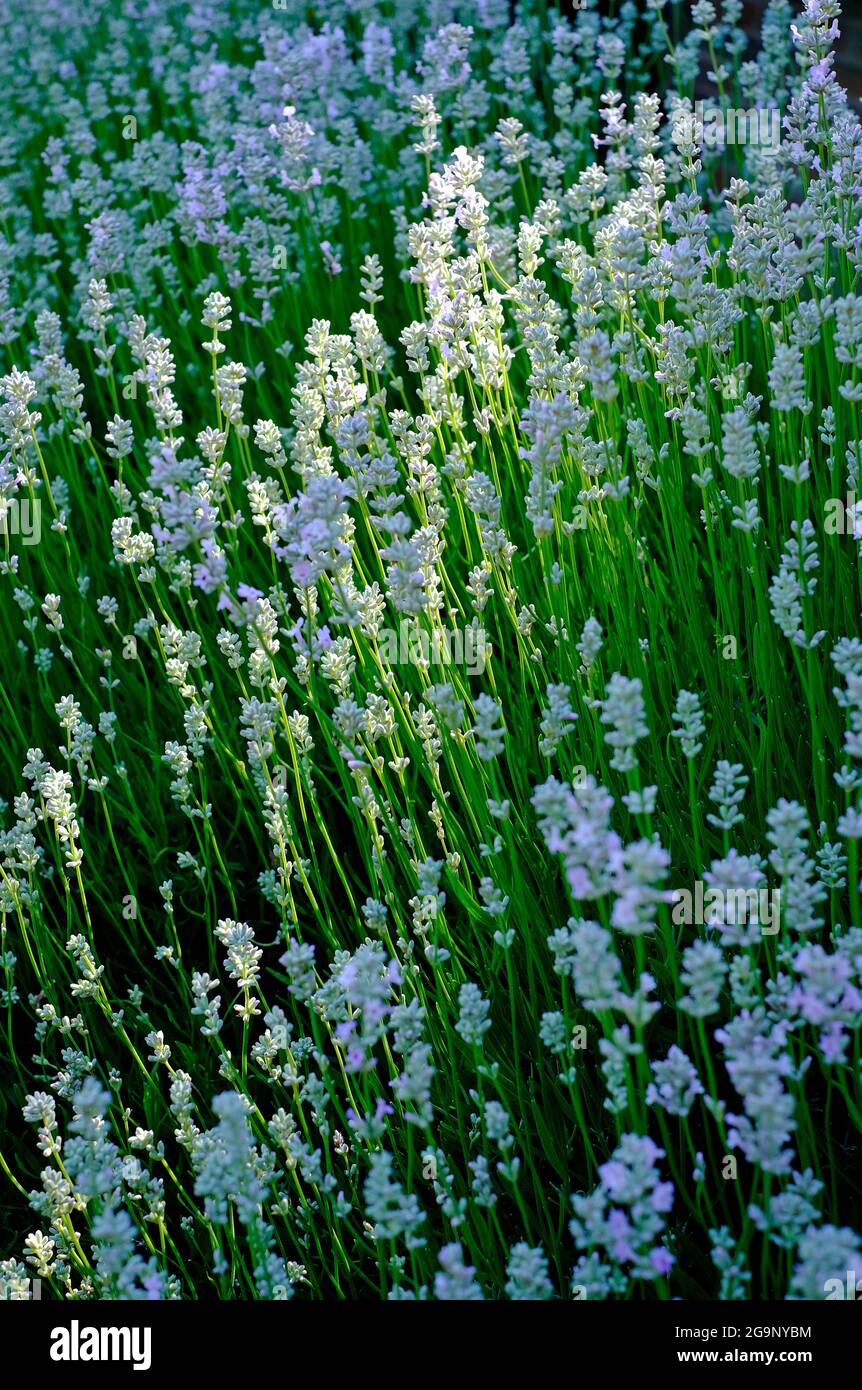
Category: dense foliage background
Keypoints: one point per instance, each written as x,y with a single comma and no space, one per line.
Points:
432,679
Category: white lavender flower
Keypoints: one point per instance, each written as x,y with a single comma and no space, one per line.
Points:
624,1216
689,716
675,1085
488,735
624,713
395,1215
473,1021
527,1271
456,1279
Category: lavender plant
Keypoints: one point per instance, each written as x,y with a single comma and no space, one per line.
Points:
432,672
